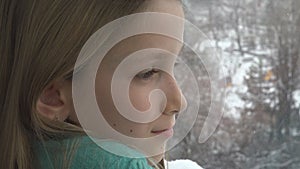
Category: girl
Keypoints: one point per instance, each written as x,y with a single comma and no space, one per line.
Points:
40,42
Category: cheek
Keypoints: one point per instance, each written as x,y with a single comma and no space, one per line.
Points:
104,99
139,97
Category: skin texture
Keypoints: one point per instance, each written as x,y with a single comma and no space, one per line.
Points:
56,100
143,82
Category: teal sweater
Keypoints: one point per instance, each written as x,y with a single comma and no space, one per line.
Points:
86,155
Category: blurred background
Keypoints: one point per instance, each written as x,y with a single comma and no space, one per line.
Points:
258,42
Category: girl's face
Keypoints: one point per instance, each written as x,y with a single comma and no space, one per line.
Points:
141,86
143,82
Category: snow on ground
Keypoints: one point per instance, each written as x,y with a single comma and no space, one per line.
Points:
297,98
237,68
183,164
233,104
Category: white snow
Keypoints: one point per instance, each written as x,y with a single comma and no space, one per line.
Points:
297,97
183,164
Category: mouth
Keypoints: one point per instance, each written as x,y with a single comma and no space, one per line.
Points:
165,132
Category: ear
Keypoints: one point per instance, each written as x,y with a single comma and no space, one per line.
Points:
55,102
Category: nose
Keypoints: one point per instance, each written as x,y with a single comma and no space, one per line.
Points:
176,101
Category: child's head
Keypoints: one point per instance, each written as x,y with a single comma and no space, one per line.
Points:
145,74
143,84
40,42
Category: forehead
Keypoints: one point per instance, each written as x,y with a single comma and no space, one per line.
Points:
140,42
144,41
173,7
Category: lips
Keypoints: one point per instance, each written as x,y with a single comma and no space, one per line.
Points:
165,132
159,131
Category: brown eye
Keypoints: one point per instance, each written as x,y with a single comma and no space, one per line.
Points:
148,74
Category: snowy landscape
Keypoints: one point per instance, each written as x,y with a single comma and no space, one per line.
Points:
258,45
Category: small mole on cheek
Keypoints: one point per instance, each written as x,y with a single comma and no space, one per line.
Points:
131,131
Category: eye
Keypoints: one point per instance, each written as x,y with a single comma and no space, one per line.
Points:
147,74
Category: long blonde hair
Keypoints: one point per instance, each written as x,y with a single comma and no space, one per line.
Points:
39,42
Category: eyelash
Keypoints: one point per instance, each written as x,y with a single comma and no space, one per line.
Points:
148,74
